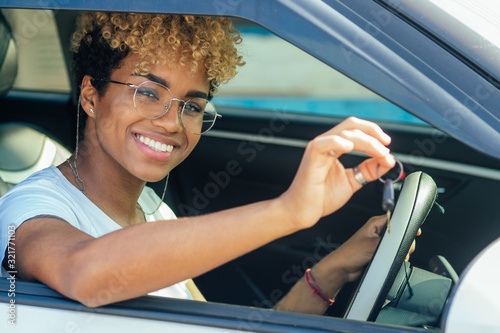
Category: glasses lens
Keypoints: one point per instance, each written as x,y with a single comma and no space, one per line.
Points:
198,115
151,99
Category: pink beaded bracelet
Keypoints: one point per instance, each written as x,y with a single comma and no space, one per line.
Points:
315,289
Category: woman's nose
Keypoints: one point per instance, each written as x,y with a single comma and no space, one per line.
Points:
171,120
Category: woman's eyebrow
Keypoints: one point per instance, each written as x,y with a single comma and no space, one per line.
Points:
157,79
190,93
196,93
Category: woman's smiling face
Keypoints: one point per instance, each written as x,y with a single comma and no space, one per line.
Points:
122,135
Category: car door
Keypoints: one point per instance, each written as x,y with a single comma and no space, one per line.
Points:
283,99
287,97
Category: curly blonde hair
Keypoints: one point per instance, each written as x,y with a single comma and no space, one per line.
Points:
103,40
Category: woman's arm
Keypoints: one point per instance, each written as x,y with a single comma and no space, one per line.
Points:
343,265
141,258
135,260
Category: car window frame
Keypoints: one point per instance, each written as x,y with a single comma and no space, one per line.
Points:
190,312
370,50
48,299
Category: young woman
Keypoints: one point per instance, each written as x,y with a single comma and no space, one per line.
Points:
144,88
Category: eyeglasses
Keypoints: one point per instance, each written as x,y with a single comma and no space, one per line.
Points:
152,100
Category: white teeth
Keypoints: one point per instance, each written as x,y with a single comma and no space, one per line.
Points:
156,145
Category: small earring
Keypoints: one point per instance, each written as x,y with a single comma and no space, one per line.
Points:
91,110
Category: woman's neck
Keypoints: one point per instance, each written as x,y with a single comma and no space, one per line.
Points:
108,185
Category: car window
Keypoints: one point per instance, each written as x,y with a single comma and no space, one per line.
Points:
279,76
40,59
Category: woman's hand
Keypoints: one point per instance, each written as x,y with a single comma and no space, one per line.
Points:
322,185
352,256
348,261
343,265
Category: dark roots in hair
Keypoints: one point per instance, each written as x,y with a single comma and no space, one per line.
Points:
103,40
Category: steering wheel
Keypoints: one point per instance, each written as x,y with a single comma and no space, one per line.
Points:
414,204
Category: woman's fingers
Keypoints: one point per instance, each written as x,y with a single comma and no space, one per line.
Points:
413,245
370,169
323,182
412,249
366,143
376,225
333,145
373,168
359,135
368,127
347,141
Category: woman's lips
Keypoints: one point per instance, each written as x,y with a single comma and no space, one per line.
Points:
155,145
154,149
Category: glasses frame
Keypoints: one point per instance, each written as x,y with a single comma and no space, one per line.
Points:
180,111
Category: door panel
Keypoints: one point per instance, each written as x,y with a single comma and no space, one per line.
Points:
53,113
243,161
252,154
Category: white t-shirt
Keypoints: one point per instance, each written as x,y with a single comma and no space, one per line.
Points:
48,192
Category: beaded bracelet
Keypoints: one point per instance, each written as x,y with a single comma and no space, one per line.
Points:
315,289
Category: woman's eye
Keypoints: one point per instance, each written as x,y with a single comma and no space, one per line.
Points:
193,107
149,93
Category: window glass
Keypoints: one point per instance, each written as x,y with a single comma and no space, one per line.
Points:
40,59
481,16
279,76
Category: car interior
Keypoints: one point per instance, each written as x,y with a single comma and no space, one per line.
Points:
252,154
25,147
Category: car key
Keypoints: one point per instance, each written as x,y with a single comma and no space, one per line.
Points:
388,194
388,200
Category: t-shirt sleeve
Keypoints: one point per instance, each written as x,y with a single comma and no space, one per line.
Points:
19,206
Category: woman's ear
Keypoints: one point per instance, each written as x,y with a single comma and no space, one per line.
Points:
88,96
